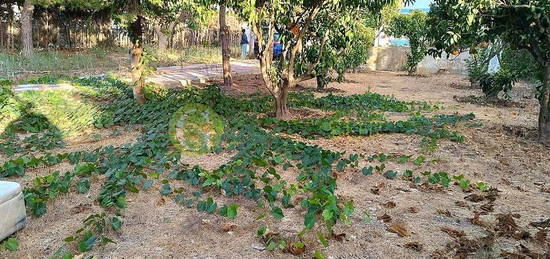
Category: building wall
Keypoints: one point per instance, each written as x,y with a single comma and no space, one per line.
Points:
393,58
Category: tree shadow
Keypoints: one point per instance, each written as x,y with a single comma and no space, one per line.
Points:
29,132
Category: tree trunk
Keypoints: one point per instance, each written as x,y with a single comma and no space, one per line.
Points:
281,101
226,51
163,38
135,31
109,38
137,72
544,115
26,28
171,33
64,36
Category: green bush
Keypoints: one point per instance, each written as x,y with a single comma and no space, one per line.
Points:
362,41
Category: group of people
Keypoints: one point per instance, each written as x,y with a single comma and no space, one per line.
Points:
252,43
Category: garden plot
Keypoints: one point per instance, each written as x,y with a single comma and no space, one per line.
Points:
384,167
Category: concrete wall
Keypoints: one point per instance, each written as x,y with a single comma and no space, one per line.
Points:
393,58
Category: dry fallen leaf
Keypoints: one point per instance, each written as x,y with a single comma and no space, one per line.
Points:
474,198
161,201
229,227
339,237
445,212
462,204
521,235
414,246
477,221
399,228
389,205
386,218
296,250
81,208
453,232
413,210
487,207
506,225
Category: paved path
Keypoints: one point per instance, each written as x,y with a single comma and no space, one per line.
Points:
200,73
168,76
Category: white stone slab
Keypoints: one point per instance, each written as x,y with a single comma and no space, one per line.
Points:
12,209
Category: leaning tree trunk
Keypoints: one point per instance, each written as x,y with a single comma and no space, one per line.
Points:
226,51
135,31
544,115
26,28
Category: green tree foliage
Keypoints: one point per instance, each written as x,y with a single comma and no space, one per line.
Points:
414,27
345,45
362,41
523,24
380,22
188,15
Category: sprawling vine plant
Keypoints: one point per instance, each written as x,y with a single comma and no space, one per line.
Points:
255,171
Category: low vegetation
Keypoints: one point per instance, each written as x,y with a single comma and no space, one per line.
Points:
254,172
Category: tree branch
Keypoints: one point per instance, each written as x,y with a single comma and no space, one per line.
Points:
298,43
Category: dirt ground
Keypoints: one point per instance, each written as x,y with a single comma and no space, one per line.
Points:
502,152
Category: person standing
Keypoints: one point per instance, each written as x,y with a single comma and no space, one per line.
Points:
244,44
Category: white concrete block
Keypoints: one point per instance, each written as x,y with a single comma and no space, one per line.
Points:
12,209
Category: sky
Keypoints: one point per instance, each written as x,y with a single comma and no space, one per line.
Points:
420,4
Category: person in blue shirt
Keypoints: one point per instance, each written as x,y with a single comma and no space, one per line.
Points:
277,46
244,44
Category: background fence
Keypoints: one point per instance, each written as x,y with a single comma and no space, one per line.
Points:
51,32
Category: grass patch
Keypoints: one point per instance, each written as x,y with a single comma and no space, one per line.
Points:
98,61
41,120
61,62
